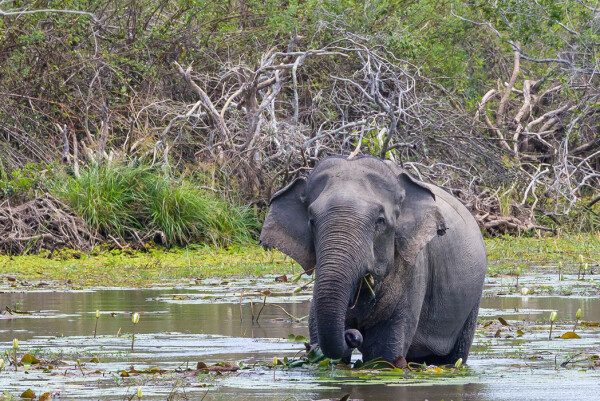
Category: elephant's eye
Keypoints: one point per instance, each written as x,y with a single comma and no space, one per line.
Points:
380,222
311,224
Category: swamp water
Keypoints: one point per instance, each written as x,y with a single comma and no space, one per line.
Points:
200,322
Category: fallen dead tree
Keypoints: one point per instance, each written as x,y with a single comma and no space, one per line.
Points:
42,223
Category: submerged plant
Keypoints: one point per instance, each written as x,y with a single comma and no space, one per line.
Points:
553,315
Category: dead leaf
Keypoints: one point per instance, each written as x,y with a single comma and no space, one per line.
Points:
504,322
520,333
223,367
497,333
281,279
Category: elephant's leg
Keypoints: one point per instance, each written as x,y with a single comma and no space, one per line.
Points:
312,325
462,346
465,338
387,341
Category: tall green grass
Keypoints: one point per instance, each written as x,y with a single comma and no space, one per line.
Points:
123,201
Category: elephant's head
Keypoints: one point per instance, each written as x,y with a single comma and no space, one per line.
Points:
351,219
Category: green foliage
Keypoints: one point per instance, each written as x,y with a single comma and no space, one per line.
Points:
25,183
122,201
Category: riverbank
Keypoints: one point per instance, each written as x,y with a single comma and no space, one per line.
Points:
153,266
128,268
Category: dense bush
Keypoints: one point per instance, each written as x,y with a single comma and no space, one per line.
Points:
497,101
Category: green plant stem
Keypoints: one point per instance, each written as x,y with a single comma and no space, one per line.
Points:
95,327
550,335
133,338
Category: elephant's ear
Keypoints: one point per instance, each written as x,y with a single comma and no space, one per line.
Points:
286,226
419,220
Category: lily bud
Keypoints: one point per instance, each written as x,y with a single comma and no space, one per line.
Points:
15,343
559,265
139,392
458,363
135,318
578,314
518,271
1,364
585,267
97,314
580,258
553,316
524,291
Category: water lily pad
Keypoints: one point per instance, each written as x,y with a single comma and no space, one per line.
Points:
29,359
570,335
28,394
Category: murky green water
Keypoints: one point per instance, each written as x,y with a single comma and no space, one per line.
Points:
181,326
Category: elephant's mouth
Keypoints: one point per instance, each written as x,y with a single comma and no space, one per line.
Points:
365,291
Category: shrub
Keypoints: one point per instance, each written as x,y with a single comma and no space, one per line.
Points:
122,201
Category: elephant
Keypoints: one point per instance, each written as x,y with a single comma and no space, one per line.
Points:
399,264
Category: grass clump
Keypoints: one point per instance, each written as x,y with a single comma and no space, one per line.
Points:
139,202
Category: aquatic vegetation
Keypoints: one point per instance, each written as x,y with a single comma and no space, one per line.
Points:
15,345
577,318
552,320
96,326
135,319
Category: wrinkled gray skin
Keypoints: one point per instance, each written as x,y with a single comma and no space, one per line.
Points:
423,249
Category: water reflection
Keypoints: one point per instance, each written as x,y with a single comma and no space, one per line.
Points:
173,333
75,315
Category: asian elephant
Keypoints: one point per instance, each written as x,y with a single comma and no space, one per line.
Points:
399,264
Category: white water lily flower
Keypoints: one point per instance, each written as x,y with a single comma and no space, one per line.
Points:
524,291
135,318
553,315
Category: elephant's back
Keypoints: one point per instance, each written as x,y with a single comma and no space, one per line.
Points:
456,264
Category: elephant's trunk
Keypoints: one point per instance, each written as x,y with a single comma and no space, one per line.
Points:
340,265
